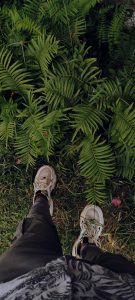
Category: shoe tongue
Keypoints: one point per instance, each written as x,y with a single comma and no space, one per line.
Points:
89,230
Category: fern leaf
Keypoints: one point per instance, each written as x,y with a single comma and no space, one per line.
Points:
107,93
59,92
54,117
129,91
14,15
103,27
96,193
87,118
43,49
96,159
77,28
85,5
8,122
32,8
3,24
29,25
89,71
112,89
7,129
41,130
12,76
55,9
117,24
26,148
123,127
82,71
126,164
67,21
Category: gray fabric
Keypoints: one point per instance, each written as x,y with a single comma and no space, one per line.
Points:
64,279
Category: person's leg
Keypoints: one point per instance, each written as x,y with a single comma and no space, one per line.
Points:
86,246
114,262
36,242
39,223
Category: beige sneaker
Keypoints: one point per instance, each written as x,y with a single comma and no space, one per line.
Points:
45,181
91,224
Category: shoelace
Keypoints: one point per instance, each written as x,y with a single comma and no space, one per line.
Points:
42,183
90,230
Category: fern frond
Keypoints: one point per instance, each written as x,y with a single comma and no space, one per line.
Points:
55,9
41,130
96,193
32,8
107,93
53,138
29,25
77,28
117,24
103,27
112,89
129,91
96,159
54,117
26,148
81,70
36,116
3,24
126,164
87,118
85,5
59,92
123,127
89,71
43,49
67,22
8,122
12,76
14,15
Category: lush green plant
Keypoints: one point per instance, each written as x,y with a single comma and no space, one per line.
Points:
54,98
108,32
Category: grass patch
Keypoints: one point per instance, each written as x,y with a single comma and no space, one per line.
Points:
69,199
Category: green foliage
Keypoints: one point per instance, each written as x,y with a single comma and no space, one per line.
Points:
38,132
126,164
111,33
8,121
96,192
87,117
33,8
123,127
117,24
96,159
55,100
12,75
43,50
85,5
59,92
